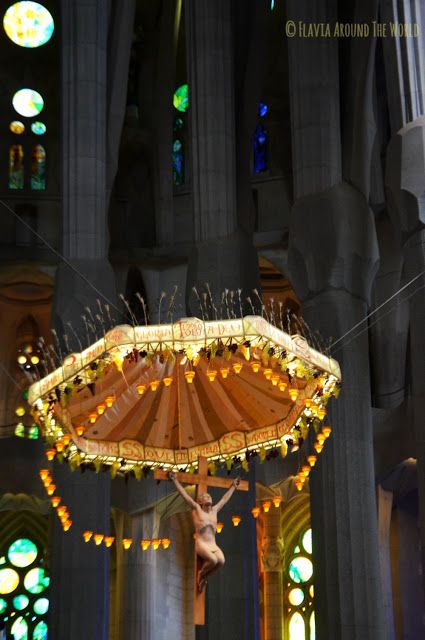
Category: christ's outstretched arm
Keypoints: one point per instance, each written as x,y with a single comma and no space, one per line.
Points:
220,504
182,491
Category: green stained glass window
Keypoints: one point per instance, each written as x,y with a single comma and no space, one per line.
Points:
181,98
20,629
22,552
38,168
9,580
36,581
300,569
40,631
3,605
39,128
20,602
28,103
20,430
28,24
307,541
41,606
296,627
33,432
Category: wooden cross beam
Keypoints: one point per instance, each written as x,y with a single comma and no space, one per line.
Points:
202,481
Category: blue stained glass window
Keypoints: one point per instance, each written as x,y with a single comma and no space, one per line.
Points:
260,149
178,162
262,109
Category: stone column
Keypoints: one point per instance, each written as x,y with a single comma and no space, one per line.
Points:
84,160
223,255
79,570
272,560
332,260
405,182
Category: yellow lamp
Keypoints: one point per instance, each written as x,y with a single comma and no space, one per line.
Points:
67,525
311,460
267,373
224,372
62,510
255,366
166,542
44,474
276,501
66,439
236,520
211,375
80,430
126,543
237,367
314,409
321,413
306,469
59,446
92,418
87,535
282,386
318,447
167,381
255,512
155,544
101,409
219,527
189,375
145,544
51,489
98,537
299,484
266,506
326,431
308,403
55,501
109,401
109,541
35,359
293,394
140,388
275,380
154,384
320,438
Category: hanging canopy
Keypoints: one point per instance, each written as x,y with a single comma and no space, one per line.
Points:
166,394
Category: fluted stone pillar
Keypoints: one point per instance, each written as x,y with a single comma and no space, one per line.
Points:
332,271
84,160
272,562
80,571
223,255
405,182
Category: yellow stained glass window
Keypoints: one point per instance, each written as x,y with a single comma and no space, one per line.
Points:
28,24
9,580
17,127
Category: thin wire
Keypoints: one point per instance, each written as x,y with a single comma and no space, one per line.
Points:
61,257
380,318
378,308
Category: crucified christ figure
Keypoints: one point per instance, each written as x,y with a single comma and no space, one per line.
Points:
204,515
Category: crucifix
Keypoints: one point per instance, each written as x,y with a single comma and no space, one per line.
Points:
208,557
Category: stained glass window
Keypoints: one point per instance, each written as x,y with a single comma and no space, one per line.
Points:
17,127
28,24
299,614
28,103
16,167
24,584
260,149
38,168
178,163
181,98
39,128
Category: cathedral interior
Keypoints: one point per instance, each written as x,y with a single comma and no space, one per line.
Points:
157,146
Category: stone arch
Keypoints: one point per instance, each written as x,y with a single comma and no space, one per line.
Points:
276,285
